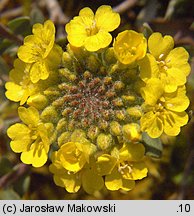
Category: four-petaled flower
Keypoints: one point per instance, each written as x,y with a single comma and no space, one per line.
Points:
130,46
123,167
31,138
39,50
92,31
72,167
164,112
165,63
20,86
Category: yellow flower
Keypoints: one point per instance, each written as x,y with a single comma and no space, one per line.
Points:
39,49
132,132
91,31
74,155
168,64
164,112
129,46
30,138
72,168
20,87
123,167
62,177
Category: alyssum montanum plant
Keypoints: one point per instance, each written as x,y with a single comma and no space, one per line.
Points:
87,106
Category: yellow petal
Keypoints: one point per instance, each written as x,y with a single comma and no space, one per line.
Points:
46,34
177,101
17,73
87,16
20,134
91,181
105,164
148,68
151,124
174,78
69,181
115,181
39,71
71,157
44,136
14,92
152,91
37,28
173,121
106,18
25,96
37,155
139,171
178,58
76,32
27,53
87,148
29,116
101,40
56,54
38,101
160,46
56,166
21,145
132,152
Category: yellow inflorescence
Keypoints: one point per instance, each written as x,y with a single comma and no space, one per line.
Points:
88,105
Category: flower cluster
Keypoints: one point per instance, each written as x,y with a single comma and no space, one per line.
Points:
164,71
88,105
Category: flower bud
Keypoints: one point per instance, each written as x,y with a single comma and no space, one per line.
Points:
38,101
132,132
104,141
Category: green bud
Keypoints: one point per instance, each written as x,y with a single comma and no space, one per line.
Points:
52,133
64,138
130,76
128,98
115,128
87,75
38,101
118,85
67,74
77,135
104,141
66,58
92,63
103,124
107,80
120,115
114,69
71,125
61,125
117,102
55,57
49,114
132,132
93,132
109,56
135,111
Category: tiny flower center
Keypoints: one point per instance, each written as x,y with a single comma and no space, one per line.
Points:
125,169
92,30
162,64
127,50
160,106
